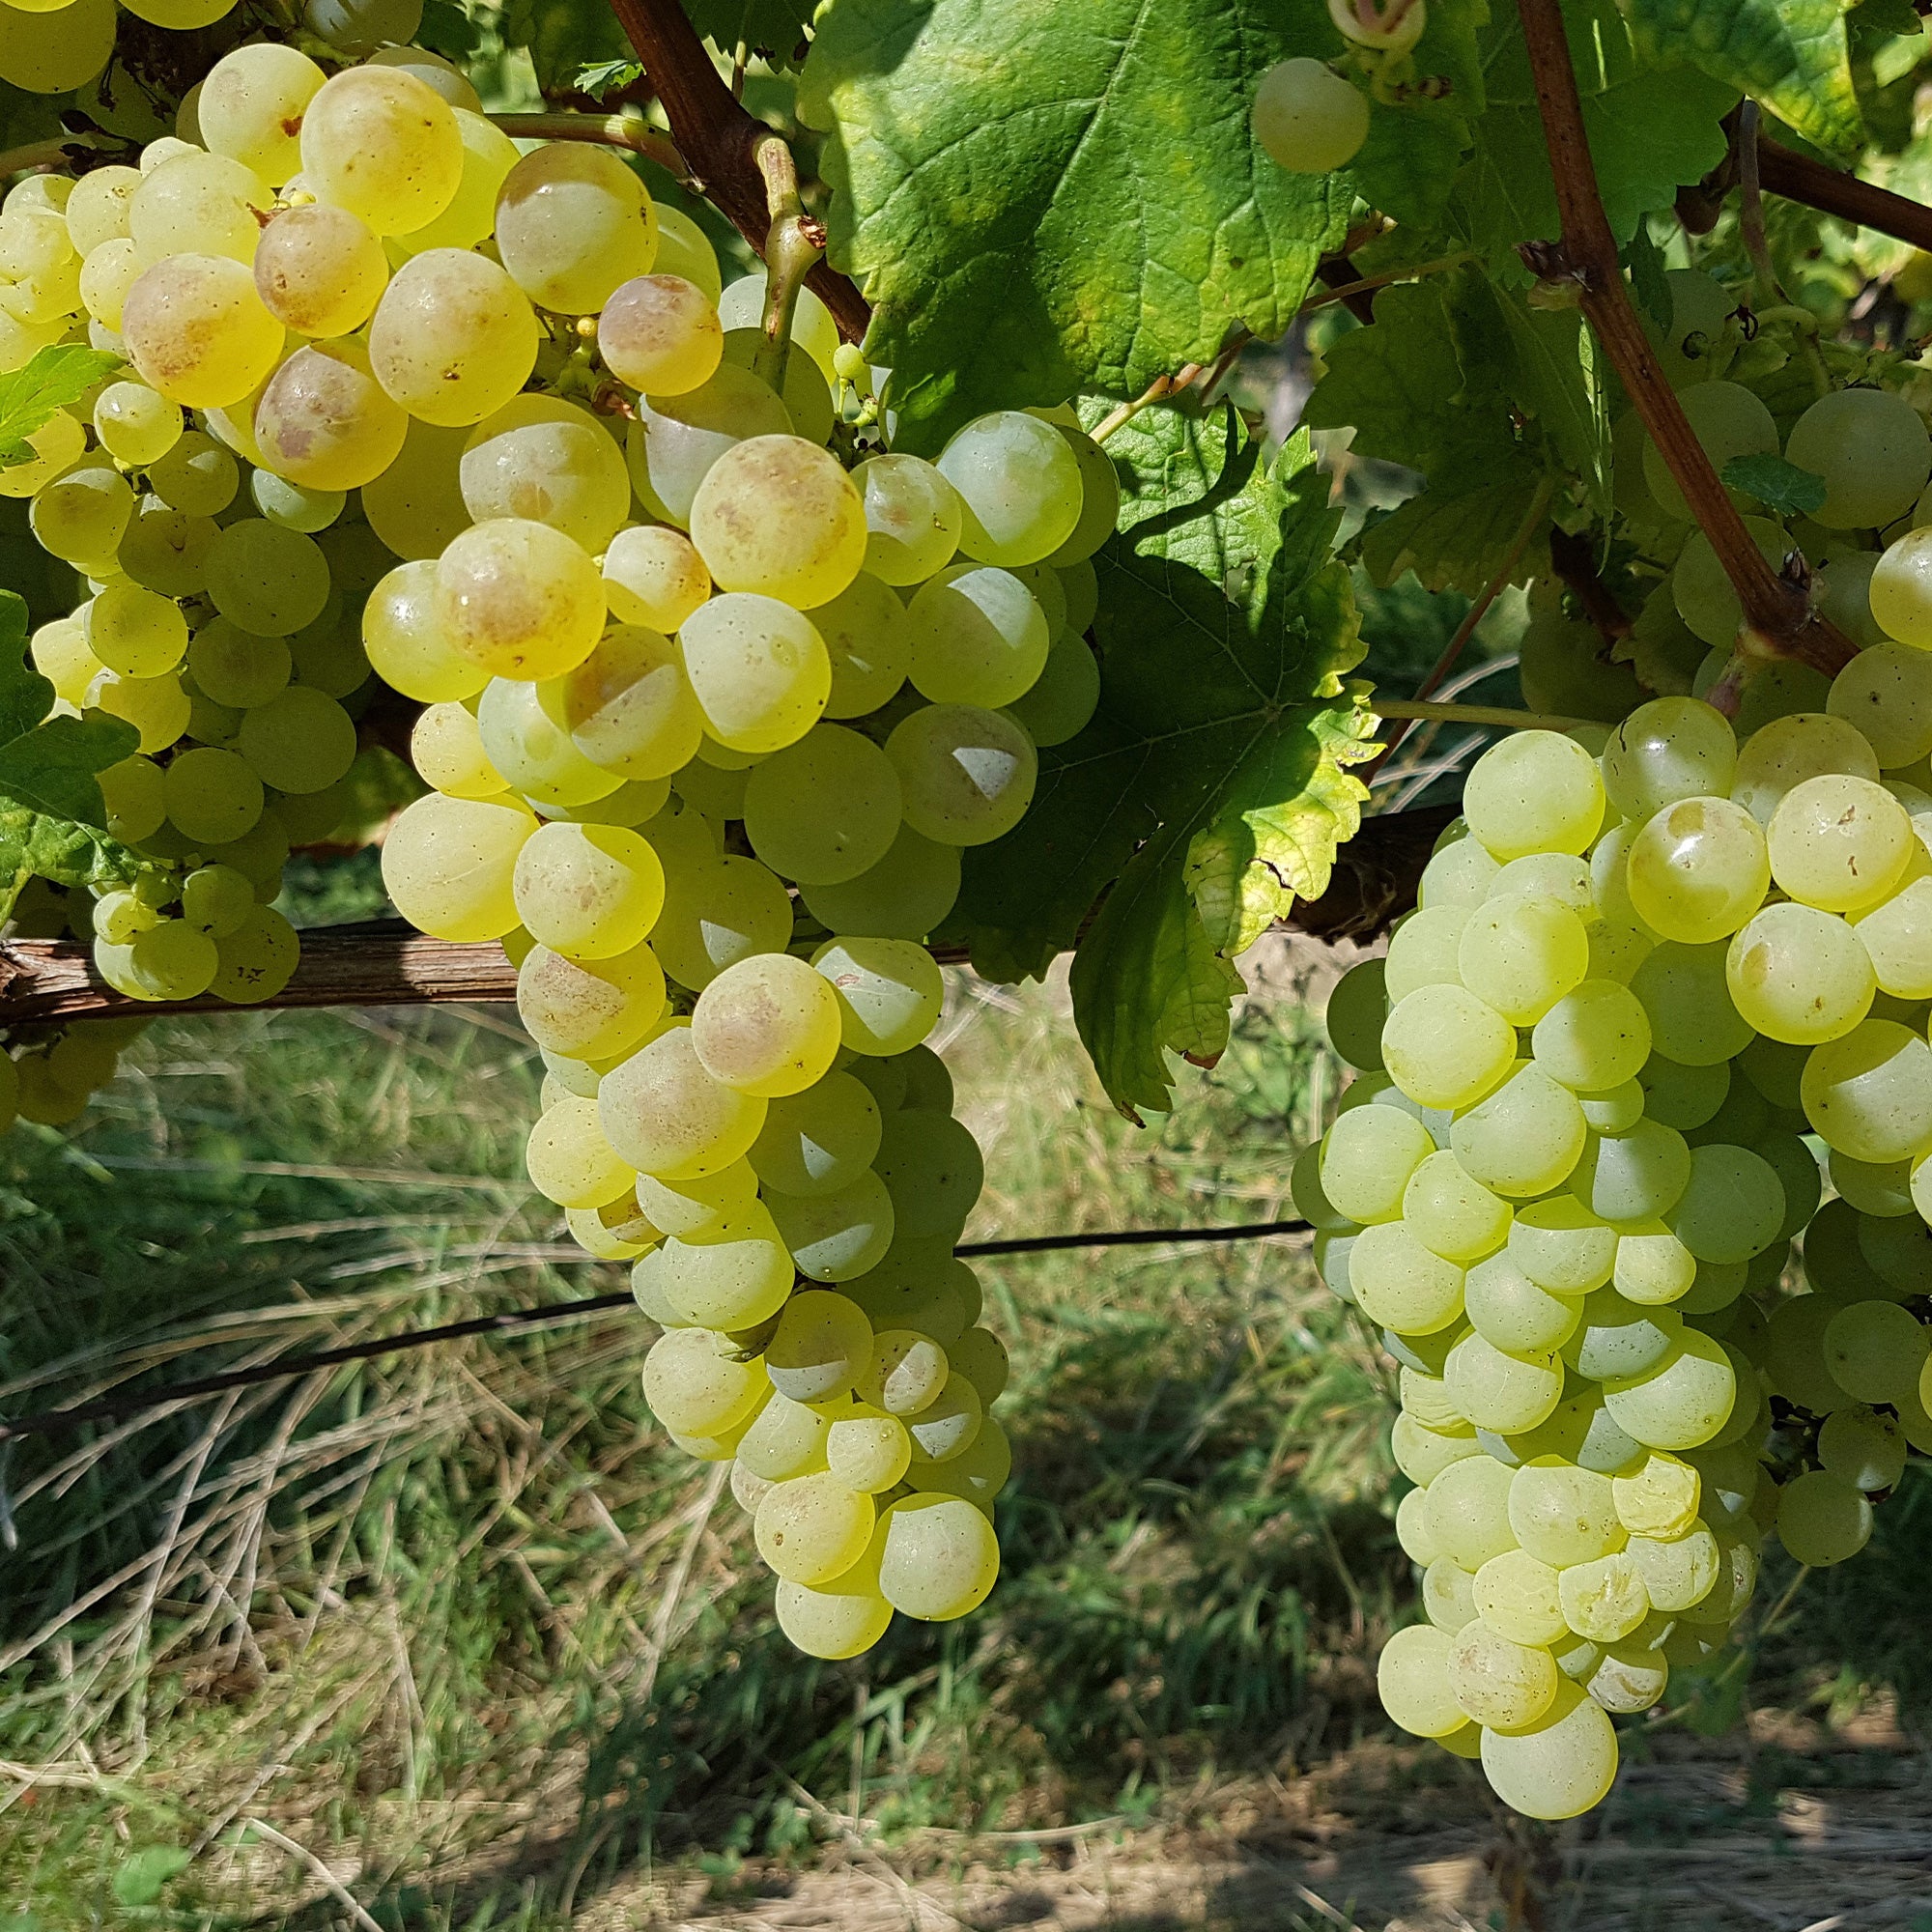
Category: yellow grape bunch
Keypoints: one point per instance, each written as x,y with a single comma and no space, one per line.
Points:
54,47
716,691
714,687
1641,996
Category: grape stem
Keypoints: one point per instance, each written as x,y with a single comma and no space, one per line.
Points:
1573,557
40,155
1342,291
719,139
1751,223
794,246
1796,177
611,130
1511,720
1585,259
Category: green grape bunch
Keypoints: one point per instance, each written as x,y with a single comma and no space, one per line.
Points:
1641,993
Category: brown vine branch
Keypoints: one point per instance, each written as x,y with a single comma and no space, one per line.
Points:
609,130
374,963
388,963
1777,613
1796,177
719,139
1573,556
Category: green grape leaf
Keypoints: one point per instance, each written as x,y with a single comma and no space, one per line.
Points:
601,76
25,695
1790,54
1651,130
1545,364
776,29
447,30
50,379
1453,542
1397,382
1649,279
1779,485
564,39
1033,201
1711,1697
1432,390
51,769
139,1878
1211,789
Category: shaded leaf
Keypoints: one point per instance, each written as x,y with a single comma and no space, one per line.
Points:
1407,166
1649,279
50,379
1039,198
1651,130
1545,362
563,39
51,768
447,30
1711,1697
1790,54
25,695
1453,542
1210,790
774,28
1781,485
1419,392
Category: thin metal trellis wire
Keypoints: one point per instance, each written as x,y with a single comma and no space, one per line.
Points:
59,1421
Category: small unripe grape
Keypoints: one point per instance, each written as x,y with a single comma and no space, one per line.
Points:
1308,119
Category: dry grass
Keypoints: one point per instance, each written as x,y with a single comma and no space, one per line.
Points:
452,1640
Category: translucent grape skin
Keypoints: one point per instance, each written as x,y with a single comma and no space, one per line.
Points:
247,102
382,144
1307,118
197,331
1871,449
913,517
324,422
778,517
320,271
453,338
572,222
1019,484
660,334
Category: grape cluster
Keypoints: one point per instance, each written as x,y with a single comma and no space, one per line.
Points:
714,691
707,771
54,47
1640,998
204,494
